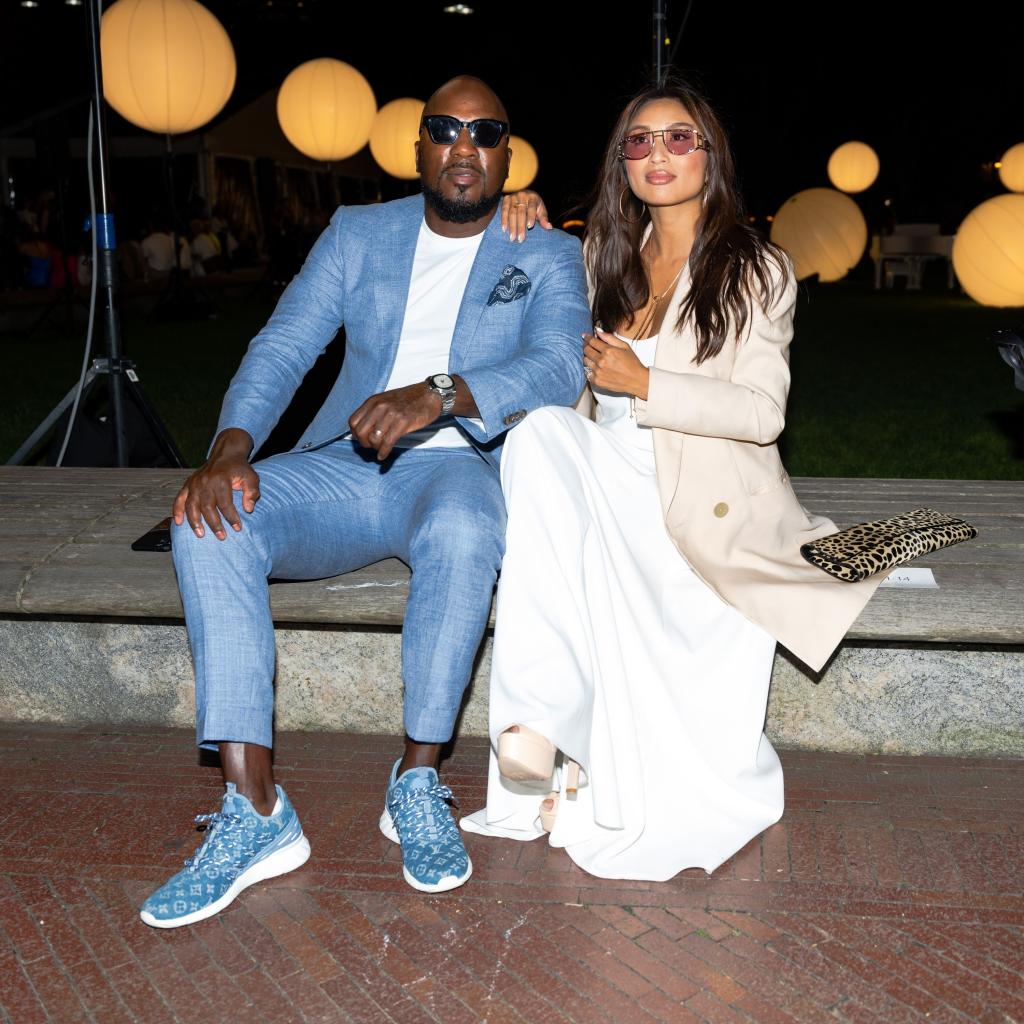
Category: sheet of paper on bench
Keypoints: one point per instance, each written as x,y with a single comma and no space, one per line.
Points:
917,579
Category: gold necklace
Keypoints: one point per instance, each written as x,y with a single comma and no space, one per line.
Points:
652,315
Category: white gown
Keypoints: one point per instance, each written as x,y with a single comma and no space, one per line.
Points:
609,645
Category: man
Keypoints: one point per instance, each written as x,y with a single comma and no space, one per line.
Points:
400,461
158,250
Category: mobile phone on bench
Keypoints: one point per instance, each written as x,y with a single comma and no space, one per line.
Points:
156,539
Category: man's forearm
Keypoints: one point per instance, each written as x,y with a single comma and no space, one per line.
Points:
233,442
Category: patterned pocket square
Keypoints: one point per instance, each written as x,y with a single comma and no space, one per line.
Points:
513,284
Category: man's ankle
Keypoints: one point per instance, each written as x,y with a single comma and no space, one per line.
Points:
419,755
250,767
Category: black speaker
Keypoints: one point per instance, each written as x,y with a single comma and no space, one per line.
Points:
92,439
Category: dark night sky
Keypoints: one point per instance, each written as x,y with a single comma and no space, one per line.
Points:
937,91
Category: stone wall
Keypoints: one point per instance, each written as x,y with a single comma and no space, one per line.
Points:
892,698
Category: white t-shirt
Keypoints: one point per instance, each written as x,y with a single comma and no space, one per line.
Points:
158,248
204,246
440,271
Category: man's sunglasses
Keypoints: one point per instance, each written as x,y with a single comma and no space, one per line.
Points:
484,132
678,141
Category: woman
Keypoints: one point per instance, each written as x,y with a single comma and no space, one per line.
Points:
652,557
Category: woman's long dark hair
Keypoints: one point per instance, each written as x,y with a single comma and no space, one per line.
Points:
729,262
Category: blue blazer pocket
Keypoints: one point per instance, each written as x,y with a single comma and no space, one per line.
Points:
512,285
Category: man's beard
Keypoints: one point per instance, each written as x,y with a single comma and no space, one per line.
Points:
459,210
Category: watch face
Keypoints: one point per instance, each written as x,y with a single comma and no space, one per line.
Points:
442,380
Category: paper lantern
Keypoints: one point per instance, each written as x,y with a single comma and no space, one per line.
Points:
823,230
524,164
853,167
168,65
326,109
1012,172
393,137
988,252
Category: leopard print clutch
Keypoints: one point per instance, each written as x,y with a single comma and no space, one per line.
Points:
867,548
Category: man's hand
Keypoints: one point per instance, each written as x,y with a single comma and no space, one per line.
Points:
207,492
382,419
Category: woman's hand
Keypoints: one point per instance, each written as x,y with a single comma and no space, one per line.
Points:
520,211
613,366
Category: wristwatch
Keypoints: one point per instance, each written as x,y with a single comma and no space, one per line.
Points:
441,384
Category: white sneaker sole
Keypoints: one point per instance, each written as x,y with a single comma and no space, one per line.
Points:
280,862
387,826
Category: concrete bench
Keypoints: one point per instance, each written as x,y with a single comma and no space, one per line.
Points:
91,631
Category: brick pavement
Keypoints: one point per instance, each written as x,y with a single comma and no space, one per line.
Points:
890,892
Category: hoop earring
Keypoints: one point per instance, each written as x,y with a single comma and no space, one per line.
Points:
622,212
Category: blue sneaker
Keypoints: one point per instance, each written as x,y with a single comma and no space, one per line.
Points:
241,847
417,816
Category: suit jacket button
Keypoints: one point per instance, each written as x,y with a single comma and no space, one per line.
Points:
308,444
721,510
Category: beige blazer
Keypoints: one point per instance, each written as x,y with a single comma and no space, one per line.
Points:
727,501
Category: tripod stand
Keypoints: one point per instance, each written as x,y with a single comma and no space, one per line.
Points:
125,369
120,373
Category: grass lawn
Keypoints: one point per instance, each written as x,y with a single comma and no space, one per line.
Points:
885,384
901,384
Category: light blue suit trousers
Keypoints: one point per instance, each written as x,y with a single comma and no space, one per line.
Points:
328,507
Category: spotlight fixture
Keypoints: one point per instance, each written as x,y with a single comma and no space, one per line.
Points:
458,9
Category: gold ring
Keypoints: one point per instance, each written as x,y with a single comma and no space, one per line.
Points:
377,433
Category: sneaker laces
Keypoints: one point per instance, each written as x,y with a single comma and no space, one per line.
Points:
421,820
225,837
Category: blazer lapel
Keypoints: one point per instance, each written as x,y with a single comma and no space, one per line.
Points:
487,267
393,253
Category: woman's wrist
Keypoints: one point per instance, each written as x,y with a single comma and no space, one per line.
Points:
643,385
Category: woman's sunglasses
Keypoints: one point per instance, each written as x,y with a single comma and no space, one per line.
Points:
484,132
678,141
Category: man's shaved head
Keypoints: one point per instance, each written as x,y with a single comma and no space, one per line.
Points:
459,88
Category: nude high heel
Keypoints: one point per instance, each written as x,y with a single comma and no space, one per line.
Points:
547,818
572,781
525,756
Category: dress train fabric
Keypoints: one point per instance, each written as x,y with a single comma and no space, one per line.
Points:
609,645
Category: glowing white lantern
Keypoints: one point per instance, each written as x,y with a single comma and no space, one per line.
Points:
393,137
824,232
853,167
1011,173
168,65
988,252
326,109
524,164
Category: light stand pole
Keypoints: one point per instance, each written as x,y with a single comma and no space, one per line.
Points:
106,249
121,374
660,40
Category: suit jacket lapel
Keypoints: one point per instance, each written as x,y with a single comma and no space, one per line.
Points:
393,254
487,267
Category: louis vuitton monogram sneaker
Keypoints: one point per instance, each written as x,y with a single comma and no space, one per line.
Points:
417,815
241,847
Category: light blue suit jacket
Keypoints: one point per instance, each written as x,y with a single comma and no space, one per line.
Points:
514,356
